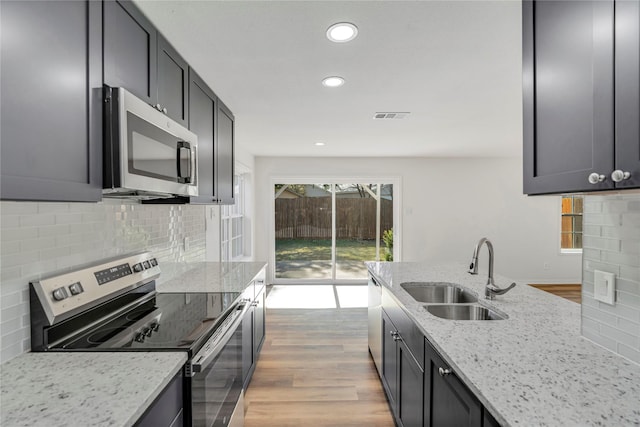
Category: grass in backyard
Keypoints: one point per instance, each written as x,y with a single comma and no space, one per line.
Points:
313,250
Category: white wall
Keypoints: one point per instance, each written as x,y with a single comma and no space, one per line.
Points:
447,206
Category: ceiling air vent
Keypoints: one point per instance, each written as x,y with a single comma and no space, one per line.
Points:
390,116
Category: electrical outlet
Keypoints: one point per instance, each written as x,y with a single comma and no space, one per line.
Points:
546,266
605,286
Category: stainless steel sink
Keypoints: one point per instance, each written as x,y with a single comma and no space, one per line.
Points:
438,293
463,312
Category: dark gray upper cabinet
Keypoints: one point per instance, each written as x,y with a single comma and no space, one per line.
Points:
130,53
138,58
202,121
580,93
225,156
173,85
627,64
51,142
447,401
213,123
567,94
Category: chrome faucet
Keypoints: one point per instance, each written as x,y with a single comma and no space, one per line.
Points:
491,289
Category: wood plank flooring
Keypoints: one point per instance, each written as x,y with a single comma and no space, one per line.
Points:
570,292
315,370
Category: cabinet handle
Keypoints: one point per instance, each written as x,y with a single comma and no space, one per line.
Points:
618,175
444,372
396,336
596,178
158,107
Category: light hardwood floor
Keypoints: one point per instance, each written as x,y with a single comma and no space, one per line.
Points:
570,292
315,370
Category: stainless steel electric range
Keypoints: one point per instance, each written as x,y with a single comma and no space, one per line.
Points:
114,306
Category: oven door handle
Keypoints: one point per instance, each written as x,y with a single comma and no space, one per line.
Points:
211,349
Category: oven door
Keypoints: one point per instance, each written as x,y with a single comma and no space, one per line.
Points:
216,381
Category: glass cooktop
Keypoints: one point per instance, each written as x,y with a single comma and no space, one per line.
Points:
165,322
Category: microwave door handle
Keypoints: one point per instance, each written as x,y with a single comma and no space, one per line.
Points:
193,165
183,145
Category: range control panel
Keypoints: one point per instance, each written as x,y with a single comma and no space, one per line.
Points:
63,295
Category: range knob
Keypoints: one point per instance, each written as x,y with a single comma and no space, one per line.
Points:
60,294
154,326
146,265
139,337
138,268
153,262
76,288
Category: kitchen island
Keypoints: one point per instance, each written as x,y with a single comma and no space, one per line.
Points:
533,368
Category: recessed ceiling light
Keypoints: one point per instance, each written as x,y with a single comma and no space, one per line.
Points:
319,144
342,32
333,81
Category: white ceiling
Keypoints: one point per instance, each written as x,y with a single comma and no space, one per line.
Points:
455,65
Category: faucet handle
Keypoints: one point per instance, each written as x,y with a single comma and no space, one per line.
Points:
492,290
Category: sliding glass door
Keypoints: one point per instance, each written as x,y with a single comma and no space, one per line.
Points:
326,231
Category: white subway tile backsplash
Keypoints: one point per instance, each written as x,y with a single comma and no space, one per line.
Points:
628,352
601,243
40,239
600,316
616,249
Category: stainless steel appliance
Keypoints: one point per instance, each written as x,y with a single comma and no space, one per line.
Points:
113,306
146,154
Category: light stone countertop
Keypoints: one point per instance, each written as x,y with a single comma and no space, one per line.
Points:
107,388
207,276
532,369
89,389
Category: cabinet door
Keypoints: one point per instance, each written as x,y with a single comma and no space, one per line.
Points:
247,346
628,91
259,323
225,156
447,401
410,388
51,125
567,95
167,409
130,42
173,77
202,117
488,420
389,360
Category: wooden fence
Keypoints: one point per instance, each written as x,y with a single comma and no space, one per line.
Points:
310,218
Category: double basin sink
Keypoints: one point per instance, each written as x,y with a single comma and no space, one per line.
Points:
449,301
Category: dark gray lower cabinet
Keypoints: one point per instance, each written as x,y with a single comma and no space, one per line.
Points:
259,320
51,103
402,377
253,331
447,401
167,410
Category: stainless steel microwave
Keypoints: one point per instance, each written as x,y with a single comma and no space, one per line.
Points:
146,154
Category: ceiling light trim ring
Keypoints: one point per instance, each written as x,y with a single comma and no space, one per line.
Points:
342,32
